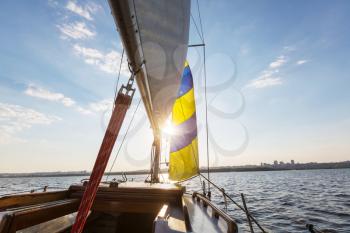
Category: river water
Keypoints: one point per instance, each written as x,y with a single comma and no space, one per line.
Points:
282,201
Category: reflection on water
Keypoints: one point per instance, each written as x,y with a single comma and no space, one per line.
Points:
282,201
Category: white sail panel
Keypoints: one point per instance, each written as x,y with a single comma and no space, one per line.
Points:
155,35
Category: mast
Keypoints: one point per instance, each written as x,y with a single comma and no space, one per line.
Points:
155,36
127,27
155,169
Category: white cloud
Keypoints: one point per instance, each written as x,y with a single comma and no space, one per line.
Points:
267,78
91,108
83,110
84,11
270,76
107,62
77,30
96,107
41,93
300,62
101,106
67,102
280,61
15,118
88,53
265,82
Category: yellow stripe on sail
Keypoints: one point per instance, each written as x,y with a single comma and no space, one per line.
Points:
183,164
184,108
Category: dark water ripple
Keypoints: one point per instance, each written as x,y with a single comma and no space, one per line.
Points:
285,201
282,201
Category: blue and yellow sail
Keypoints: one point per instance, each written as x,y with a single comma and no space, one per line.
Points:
183,162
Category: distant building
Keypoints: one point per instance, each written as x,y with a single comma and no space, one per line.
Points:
275,163
292,162
281,163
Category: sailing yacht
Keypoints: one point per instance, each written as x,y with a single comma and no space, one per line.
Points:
155,36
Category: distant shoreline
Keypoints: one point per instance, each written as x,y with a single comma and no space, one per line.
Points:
247,168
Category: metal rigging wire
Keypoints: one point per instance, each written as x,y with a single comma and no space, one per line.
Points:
118,78
201,35
115,96
198,32
238,205
121,144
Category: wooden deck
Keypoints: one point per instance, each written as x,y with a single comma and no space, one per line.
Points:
127,207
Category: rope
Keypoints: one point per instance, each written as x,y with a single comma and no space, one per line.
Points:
121,144
118,77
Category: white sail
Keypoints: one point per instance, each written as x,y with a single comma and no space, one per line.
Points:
155,36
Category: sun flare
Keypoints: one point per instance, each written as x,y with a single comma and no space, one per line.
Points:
168,128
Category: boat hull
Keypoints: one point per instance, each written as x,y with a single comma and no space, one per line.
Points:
127,207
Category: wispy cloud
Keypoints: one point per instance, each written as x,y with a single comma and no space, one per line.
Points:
300,62
101,106
270,76
96,107
41,93
266,82
15,118
107,62
267,78
77,30
280,61
90,108
84,11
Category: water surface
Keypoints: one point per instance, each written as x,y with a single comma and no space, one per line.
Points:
282,201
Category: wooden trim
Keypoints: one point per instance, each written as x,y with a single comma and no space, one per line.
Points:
34,215
14,201
186,216
5,222
216,212
156,188
125,207
132,194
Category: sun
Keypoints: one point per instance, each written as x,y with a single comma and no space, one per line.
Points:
168,129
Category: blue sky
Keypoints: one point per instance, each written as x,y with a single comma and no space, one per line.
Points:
278,83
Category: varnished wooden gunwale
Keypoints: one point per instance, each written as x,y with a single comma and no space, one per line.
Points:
125,207
140,194
30,216
31,199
